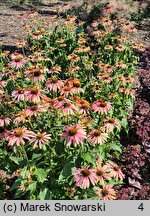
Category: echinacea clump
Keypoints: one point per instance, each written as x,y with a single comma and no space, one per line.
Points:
65,95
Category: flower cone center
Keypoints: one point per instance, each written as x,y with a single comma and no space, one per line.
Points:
18,133
116,168
54,80
99,172
60,98
39,136
34,91
72,131
111,120
105,192
97,133
37,73
103,104
85,172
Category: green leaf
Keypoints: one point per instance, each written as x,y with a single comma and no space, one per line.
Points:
88,157
41,175
16,184
124,122
45,194
24,172
66,172
32,187
115,147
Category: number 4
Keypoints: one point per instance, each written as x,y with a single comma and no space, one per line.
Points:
141,207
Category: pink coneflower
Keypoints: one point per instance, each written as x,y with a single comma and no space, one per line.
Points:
34,94
39,139
34,110
21,43
102,173
4,120
105,77
68,108
102,107
17,136
74,134
121,64
73,58
20,117
54,84
5,53
110,124
48,103
120,47
115,171
3,84
107,193
35,74
18,94
97,136
65,91
37,35
66,6
55,70
84,106
127,91
84,177
73,69
108,47
76,88
59,101
82,41
18,62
